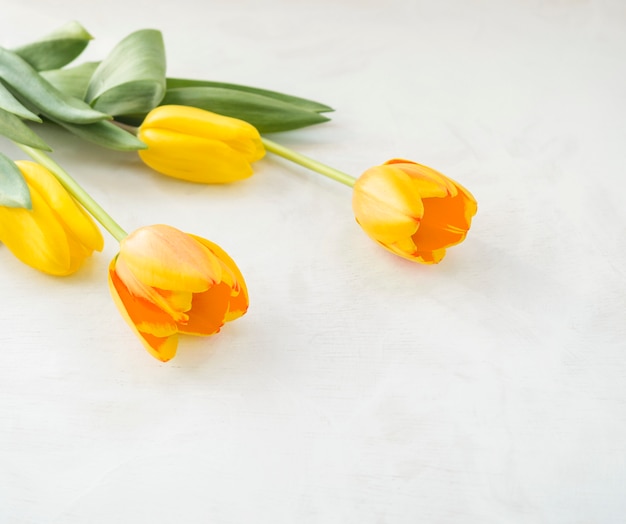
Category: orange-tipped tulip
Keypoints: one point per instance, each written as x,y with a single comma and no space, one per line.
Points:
57,234
167,282
412,210
199,146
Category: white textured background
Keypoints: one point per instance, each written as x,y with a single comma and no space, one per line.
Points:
359,388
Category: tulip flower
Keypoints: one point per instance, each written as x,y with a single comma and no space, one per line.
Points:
167,282
412,210
56,235
199,146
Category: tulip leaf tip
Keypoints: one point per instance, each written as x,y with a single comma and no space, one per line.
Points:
14,191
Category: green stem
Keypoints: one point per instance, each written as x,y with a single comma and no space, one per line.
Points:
309,163
77,192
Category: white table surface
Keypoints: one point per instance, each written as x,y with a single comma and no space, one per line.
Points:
359,388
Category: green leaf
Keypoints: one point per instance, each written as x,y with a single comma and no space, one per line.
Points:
303,103
14,191
132,78
9,103
56,49
105,134
267,114
12,127
30,85
72,81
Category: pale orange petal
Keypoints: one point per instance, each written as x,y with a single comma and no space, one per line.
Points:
387,204
163,257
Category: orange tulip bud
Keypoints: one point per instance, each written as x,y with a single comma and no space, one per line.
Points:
412,210
167,282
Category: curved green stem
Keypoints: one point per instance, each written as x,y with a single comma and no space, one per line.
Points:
309,163
77,192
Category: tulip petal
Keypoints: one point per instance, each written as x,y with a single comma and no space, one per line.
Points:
387,204
35,236
163,257
161,348
239,291
430,257
193,158
178,300
208,310
193,122
429,182
237,307
75,219
78,253
156,329
405,248
446,221
469,205
148,293
409,252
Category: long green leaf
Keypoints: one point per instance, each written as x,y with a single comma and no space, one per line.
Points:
12,127
267,114
14,191
56,49
30,85
72,81
303,103
132,78
9,103
105,134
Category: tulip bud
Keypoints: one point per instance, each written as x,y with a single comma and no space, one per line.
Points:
56,235
167,282
199,146
412,210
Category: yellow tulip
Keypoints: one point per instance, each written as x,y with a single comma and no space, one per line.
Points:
412,210
199,146
56,235
167,282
